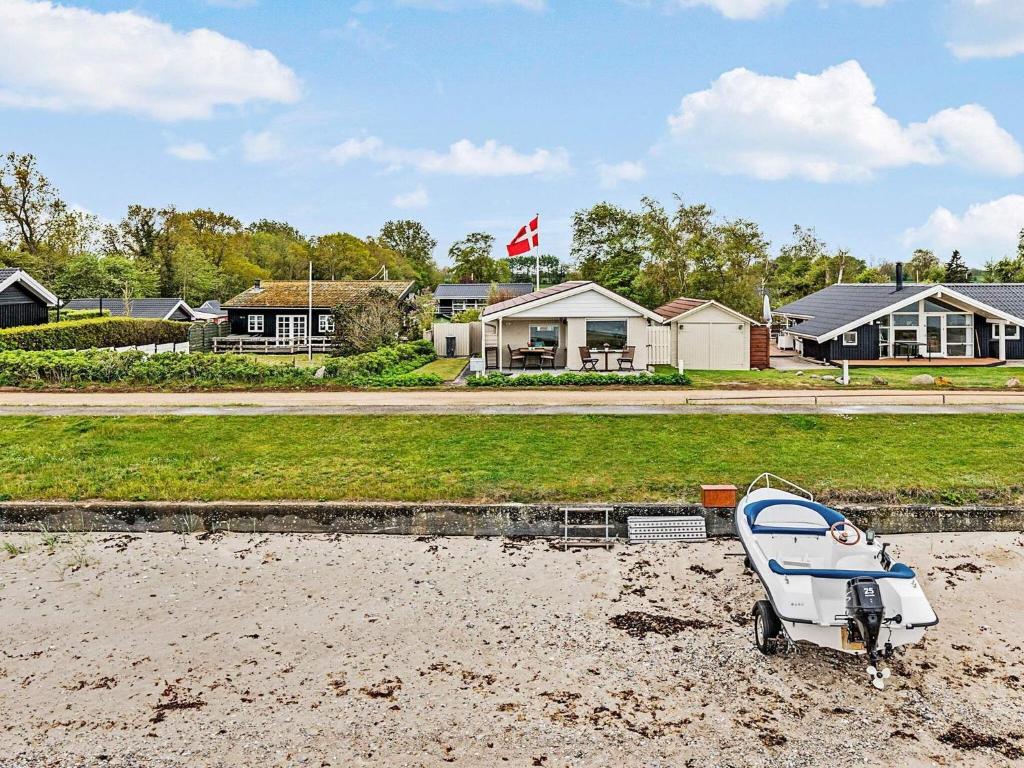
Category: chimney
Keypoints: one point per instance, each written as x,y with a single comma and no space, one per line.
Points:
899,275
258,284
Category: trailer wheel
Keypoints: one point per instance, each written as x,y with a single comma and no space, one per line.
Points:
767,627
746,564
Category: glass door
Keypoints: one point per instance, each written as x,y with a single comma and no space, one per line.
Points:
933,334
291,329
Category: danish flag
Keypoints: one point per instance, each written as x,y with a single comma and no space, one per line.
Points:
526,238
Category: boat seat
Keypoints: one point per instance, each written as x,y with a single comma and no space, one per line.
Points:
898,571
752,510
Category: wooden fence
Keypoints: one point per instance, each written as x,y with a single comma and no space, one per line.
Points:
269,345
659,337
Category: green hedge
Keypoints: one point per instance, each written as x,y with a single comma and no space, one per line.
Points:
94,333
386,363
389,367
581,380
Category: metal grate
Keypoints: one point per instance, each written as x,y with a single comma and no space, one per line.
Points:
579,519
684,528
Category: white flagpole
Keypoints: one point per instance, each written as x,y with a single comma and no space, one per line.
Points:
309,319
537,253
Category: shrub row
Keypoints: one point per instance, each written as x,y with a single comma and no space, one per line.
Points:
94,333
385,363
64,368
581,380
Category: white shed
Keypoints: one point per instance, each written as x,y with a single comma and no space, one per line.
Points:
707,335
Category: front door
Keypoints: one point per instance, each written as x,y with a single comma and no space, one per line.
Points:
291,329
934,334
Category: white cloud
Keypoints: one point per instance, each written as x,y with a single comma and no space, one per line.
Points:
463,158
417,198
611,175
984,231
751,9
261,147
64,58
193,150
457,5
828,127
987,29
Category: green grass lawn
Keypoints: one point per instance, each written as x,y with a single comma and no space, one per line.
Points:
531,458
448,368
301,360
897,378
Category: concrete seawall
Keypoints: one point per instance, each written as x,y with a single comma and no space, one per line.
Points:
441,519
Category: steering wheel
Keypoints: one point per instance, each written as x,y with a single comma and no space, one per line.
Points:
841,537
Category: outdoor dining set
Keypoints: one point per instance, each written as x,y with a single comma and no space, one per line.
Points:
541,355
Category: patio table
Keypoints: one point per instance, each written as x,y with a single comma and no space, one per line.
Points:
606,353
538,351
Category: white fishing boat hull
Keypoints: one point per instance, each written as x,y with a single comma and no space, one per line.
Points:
807,574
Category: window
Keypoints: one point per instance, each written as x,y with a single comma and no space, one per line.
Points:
1012,331
850,339
326,324
544,336
255,323
610,332
905,319
461,305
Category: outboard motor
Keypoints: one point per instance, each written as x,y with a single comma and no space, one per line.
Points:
864,610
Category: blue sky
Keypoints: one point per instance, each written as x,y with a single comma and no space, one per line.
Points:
884,124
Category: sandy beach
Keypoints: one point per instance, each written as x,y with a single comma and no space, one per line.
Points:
274,650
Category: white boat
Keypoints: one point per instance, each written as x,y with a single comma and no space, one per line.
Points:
827,582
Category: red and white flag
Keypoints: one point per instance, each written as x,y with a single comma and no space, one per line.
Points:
526,238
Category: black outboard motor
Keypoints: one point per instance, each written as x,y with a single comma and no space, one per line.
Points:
864,610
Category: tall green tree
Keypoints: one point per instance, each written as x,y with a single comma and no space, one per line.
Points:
956,270
609,244
411,240
924,267
1008,269
472,261
523,269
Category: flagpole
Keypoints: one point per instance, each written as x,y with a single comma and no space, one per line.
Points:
537,250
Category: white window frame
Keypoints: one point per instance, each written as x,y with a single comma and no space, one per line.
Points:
589,320
326,324
556,326
996,329
850,343
258,326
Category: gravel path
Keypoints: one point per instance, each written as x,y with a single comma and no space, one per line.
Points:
163,650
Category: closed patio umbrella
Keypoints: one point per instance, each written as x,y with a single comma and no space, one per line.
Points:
767,311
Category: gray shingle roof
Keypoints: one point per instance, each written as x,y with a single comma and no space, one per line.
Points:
1008,297
839,305
151,309
479,290
6,272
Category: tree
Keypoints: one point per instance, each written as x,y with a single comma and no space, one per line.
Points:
523,269
924,267
29,204
472,261
370,323
414,243
608,246
956,270
1008,269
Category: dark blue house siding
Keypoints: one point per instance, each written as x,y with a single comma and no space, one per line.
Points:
19,307
238,318
834,349
989,347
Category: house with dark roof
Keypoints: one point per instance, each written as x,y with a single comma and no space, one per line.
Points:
143,309
23,300
706,335
279,310
453,298
966,323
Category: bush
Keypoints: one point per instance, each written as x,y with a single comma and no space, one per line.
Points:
385,362
581,380
389,367
93,334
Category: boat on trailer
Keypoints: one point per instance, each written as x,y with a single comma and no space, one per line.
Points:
827,582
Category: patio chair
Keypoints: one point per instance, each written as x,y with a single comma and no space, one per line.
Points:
513,355
626,359
589,363
549,355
